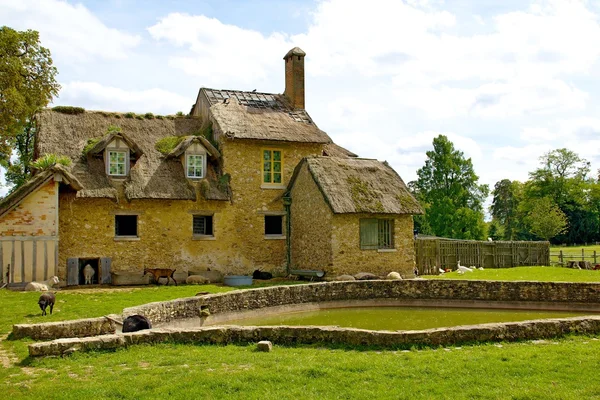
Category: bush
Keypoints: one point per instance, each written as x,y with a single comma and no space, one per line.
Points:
69,110
149,115
179,113
160,117
49,160
129,115
139,117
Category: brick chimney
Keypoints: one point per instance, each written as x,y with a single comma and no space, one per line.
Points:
294,77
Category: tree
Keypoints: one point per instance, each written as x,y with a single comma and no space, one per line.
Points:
27,83
448,186
507,196
18,170
546,220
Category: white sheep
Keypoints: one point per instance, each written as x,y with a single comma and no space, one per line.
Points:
196,280
42,286
88,273
394,276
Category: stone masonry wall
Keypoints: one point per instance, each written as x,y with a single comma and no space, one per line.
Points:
87,227
35,216
311,225
349,258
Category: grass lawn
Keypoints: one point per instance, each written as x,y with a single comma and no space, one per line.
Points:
555,369
547,274
574,253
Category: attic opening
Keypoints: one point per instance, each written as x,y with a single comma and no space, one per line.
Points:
95,264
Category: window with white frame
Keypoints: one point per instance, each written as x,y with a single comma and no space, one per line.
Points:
376,233
117,163
195,165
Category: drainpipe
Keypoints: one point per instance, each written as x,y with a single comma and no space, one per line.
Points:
287,202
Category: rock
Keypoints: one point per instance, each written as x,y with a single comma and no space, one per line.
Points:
393,276
365,276
344,278
196,280
211,276
264,345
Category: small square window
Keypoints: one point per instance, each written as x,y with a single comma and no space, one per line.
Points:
376,233
117,163
274,225
126,225
203,225
195,166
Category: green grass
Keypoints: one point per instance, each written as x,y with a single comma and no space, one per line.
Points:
574,253
545,274
554,369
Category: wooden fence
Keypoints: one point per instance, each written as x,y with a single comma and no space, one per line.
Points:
434,253
562,258
27,258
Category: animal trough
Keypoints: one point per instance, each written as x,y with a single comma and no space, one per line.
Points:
237,280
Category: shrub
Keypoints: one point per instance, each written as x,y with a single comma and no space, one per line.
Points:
48,160
90,145
179,114
129,115
117,115
167,144
160,117
139,117
149,115
69,110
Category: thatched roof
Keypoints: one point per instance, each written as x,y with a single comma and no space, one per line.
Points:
99,147
14,198
153,176
358,185
334,150
260,116
188,141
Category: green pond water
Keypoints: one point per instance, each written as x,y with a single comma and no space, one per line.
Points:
402,318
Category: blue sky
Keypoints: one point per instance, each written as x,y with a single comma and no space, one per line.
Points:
506,80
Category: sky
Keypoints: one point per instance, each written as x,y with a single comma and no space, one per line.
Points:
505,80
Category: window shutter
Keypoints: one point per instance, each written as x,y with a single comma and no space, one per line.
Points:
105,270
72,271
368,233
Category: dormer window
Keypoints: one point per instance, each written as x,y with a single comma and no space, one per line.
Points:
195,165
117,162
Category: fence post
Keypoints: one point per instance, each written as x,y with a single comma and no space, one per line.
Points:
560,257
582,254
595,262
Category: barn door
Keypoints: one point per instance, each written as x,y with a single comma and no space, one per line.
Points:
105,270
72,271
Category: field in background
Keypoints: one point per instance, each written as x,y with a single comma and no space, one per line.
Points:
585,253
545,274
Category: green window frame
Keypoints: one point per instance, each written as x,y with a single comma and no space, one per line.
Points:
195,166
272,166
376,233
117,163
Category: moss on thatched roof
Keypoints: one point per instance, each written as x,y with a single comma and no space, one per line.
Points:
188,141
240,117
15,197
151,177
101,144
334,150
358,185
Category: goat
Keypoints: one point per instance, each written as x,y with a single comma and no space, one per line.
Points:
135,323
88,273
158,273
46,299
42,286
258,274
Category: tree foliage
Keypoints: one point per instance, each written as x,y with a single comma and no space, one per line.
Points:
448,188
546,220
27,82
18,169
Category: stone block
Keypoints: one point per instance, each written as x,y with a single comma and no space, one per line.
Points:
264,345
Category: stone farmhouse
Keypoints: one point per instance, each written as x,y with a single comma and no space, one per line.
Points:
246,181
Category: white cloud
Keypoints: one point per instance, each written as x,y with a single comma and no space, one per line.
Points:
94,96
71,32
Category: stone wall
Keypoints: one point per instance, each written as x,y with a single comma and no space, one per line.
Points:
64,329
239,246
36,215
311,225
328,336
349,258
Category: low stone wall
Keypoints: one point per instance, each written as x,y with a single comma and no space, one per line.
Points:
288,335
65,329
578,295
559,295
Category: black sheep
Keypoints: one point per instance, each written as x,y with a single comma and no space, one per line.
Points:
258,274
46,299
135,323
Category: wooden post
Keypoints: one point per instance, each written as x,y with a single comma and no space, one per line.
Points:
582,254
595,262
560,258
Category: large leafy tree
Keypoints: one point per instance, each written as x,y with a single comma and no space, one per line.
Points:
545,219
27,82
448,188
507,196
564,178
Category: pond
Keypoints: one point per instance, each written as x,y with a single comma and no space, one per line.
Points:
401,318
